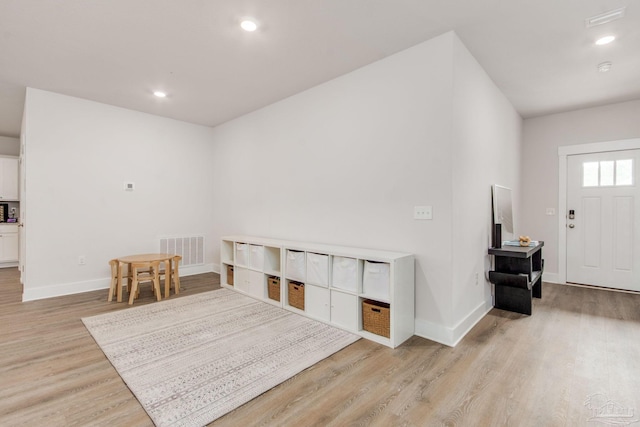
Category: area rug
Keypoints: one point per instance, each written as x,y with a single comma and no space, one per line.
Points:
192,359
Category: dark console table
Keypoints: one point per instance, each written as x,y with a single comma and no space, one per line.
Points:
517,276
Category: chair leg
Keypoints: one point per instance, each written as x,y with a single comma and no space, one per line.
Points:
156,282
112,287
175,276
134,289
167,278
114,279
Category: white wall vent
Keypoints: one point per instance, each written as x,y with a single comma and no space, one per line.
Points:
191,248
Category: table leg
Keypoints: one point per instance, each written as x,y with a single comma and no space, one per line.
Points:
119,282
167,277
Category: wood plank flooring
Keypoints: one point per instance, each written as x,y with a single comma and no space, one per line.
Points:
579,350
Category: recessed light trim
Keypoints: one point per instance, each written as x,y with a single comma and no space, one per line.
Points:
249,25
160,94
605,40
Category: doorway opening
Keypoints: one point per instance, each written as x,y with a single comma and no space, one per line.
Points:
599,241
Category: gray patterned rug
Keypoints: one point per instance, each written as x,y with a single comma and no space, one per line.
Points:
192,359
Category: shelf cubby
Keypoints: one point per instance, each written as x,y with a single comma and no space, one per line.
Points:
226,252
334,280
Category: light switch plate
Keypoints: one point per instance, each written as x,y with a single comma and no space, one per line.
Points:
422,212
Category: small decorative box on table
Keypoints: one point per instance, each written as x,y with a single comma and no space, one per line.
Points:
517,276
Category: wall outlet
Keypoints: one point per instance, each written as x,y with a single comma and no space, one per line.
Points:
551,211
422,212
82,260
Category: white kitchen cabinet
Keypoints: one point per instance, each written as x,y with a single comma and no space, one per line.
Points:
333,292
9,247
9,179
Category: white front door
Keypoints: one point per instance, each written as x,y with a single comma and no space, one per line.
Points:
603,219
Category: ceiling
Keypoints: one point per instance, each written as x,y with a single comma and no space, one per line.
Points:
539,52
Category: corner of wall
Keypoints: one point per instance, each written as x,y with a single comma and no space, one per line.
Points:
451,336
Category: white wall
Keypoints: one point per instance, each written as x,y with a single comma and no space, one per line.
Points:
487,137
342,163
346,161
542,136
78,155
9,146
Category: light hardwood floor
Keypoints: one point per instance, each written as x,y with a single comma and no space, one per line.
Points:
580,348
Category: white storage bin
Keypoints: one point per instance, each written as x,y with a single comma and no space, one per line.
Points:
318,269
256,257
375,280
295,265
345,273
242,254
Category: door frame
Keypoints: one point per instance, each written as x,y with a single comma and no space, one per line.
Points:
570,150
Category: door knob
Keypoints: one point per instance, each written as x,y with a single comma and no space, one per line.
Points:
572,225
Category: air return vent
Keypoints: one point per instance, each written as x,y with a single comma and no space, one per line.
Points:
191,248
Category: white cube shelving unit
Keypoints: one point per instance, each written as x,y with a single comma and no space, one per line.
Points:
360,274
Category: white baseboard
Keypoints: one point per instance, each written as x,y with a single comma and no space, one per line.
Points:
31,294
8,264
551,278
198,269
451,336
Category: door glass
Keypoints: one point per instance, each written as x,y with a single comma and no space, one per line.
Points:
624,172
590,174
606,172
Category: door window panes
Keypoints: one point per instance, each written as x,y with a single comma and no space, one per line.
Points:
624,172
607,173
590,174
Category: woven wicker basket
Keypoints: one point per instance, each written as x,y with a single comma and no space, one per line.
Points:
273,285
376,317
296,295
230,275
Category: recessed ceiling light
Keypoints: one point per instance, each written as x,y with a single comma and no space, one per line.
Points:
605,40
160,94
249,25
603,67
